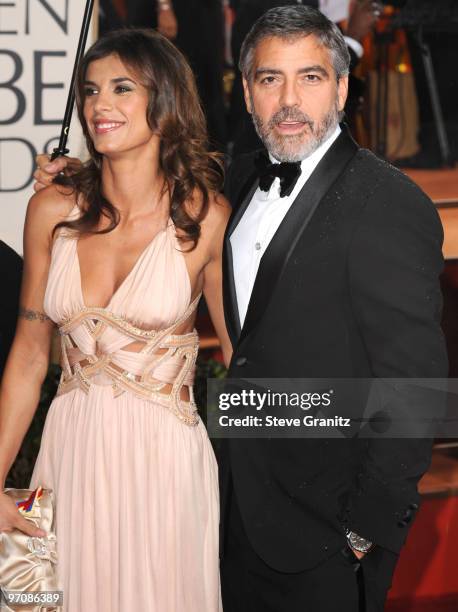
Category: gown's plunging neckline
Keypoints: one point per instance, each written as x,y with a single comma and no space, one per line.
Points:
139,259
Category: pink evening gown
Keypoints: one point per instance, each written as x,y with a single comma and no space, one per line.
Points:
132,469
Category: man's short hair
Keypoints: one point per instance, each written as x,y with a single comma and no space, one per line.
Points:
290,22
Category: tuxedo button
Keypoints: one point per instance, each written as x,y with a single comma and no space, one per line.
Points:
407,518
257,246
240,361
413,506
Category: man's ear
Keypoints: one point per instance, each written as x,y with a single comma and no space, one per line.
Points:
342,92
246,93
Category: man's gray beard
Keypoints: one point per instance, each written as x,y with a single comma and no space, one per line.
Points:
293,148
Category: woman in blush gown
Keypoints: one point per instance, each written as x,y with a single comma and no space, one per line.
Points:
117,257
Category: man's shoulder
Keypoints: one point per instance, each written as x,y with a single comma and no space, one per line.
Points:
388,192
383,178
373,166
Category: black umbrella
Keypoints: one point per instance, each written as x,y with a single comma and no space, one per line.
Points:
61,149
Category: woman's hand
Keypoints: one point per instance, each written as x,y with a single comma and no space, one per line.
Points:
47,169
11,518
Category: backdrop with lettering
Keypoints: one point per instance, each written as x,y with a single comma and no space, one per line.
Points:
38,40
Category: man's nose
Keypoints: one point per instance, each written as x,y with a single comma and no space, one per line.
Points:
290,94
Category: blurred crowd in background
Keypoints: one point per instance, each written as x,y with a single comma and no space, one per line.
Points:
403,89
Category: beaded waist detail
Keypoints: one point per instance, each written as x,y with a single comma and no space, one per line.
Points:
93,352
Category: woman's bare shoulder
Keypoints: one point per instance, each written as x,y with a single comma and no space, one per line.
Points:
54,200
50,206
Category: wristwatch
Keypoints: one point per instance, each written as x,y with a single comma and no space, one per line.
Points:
358,543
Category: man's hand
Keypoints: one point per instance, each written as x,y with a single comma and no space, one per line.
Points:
47,170
358,554
167,24
362,18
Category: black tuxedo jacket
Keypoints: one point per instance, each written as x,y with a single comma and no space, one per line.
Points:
347,288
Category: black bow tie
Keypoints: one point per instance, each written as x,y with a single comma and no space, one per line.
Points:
287,172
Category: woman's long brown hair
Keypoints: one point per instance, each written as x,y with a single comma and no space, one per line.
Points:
174,111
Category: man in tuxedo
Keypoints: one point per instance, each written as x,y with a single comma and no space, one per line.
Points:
332,259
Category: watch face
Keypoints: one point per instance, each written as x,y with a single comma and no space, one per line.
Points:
358,543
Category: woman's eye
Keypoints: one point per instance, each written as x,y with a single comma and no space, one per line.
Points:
122,89
89,91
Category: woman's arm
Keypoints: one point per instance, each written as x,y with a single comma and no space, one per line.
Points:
214,227
28,359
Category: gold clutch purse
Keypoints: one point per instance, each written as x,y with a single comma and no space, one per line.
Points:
29,563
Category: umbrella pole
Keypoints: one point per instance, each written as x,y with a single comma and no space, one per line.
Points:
61,149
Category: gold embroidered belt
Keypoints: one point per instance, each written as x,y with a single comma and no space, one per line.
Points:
93,351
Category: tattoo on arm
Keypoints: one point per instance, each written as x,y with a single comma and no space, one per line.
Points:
33,315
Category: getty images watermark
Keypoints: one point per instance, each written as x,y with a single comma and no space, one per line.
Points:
274,399
332,408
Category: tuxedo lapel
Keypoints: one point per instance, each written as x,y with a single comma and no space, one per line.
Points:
285,239
231,311
244,198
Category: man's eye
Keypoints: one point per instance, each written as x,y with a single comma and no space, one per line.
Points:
312,78
267,80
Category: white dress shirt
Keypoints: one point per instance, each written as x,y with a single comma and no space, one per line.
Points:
259,223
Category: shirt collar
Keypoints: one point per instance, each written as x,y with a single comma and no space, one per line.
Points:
308,165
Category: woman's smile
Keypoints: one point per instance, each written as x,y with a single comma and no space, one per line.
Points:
103,126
